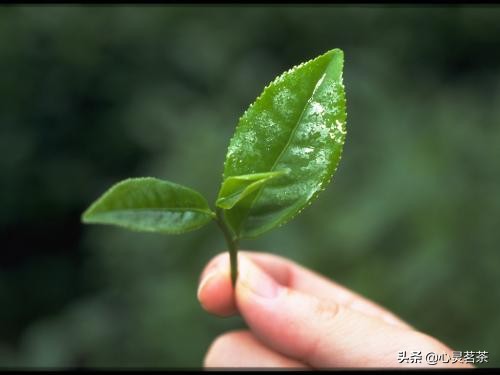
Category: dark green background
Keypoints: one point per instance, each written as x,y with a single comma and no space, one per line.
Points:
92,95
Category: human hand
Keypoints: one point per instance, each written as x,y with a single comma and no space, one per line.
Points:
299,319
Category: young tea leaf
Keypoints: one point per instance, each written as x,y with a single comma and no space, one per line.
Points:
297,123
150,205
235,188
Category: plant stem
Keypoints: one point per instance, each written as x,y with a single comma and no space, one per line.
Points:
232,244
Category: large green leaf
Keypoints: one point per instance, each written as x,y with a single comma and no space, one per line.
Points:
235,188
297,123
150,205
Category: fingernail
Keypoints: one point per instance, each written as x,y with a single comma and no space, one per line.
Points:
214,267
206,279
257,281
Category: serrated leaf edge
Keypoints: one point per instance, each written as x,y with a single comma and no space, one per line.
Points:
277,79
328,179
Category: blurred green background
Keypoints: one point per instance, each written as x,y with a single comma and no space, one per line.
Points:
92,95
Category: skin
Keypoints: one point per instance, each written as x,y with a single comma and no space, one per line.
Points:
299,319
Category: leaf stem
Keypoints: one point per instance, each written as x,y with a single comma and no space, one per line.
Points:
232,243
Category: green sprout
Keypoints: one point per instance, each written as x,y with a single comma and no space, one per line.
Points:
285,149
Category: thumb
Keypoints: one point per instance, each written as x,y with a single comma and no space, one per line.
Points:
318,332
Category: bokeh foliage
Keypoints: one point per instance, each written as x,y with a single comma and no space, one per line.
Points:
92,95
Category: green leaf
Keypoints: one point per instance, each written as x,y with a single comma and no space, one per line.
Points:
150,205
297,123
235,188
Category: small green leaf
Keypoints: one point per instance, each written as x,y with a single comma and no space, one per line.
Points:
150,205
235,188
297,123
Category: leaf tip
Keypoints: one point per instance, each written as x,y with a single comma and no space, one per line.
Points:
336,51
222,203
87,216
